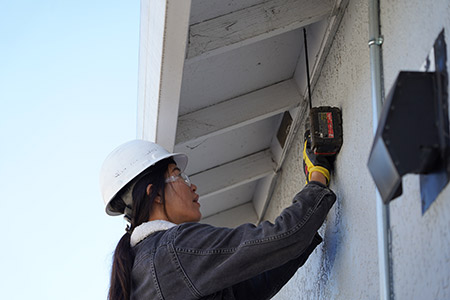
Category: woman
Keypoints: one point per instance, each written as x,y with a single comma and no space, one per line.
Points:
166,254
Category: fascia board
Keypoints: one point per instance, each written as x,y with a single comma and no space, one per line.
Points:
163,38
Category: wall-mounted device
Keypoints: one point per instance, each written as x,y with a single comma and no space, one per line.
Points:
408,138
325,124
413,132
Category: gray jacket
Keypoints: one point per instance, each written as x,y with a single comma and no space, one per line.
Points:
198,261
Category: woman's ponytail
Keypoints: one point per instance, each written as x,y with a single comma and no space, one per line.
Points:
123,260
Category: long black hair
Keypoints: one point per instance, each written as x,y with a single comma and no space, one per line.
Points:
120,285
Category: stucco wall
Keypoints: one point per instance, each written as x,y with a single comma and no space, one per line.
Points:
345,266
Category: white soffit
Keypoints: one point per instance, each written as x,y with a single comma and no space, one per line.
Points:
240,195
202,10
237,112
229,146
240,71
216,77
252,24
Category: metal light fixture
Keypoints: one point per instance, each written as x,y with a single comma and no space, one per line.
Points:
413,132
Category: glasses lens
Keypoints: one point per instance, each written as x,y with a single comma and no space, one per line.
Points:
183,176
186,179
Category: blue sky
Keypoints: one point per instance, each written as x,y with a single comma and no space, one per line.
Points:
68,94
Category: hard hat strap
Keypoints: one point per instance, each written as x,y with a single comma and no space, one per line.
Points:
128,212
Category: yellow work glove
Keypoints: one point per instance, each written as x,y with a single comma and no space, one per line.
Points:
314,162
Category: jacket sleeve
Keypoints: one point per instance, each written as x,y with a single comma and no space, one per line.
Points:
211,258
267,284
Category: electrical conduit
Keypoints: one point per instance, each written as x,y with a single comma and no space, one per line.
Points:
383,226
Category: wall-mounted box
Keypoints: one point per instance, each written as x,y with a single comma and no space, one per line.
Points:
413,132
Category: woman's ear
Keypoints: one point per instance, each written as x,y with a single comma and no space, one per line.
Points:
149,189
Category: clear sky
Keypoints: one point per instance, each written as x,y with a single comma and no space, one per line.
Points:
68,94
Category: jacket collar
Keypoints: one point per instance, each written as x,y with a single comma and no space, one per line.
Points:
147,228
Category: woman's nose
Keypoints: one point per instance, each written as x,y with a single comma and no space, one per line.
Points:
193,187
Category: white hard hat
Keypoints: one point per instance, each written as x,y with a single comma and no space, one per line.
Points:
126,162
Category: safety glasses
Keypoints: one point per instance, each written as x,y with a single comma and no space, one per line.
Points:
183,176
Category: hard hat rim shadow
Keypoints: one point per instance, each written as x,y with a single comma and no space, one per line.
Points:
127,162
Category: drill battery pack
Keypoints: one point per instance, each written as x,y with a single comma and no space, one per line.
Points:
326,130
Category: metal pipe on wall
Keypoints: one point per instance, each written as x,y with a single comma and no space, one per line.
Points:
377,79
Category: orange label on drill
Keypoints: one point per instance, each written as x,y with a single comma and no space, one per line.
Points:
330,125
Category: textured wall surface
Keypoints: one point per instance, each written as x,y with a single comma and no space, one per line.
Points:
345,266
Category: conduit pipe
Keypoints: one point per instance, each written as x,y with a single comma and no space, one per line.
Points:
383,225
